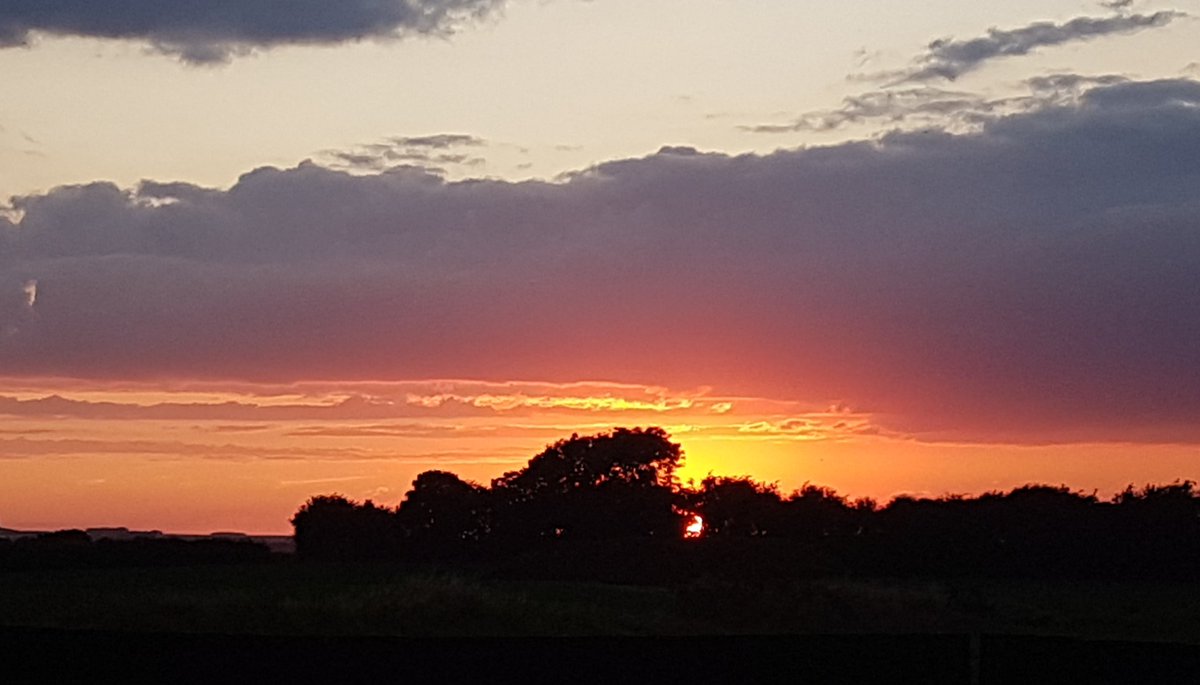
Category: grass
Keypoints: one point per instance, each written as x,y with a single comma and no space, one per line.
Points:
309,599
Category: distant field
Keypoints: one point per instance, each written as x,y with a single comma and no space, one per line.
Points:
290,598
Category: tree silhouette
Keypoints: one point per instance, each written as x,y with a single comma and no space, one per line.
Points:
738,507
815,512
443,509
611,485
1158,524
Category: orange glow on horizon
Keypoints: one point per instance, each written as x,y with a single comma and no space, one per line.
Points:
191,459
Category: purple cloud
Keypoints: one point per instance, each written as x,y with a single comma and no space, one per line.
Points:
1033,277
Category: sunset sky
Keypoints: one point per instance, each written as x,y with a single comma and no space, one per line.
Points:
253,251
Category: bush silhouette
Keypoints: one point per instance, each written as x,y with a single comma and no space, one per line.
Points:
332,527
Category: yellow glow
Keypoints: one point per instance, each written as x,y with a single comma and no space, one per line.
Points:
694,529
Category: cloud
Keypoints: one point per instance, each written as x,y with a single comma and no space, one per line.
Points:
949,58
406,430
213,31
791,427
441,399
883,106
25,448
240,428
926,105
29,290
27,431
430,153
1031,278
322,481
440,141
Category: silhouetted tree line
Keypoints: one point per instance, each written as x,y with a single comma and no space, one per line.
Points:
610,506
615,485
76,549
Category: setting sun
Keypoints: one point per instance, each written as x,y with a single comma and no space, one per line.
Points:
695,528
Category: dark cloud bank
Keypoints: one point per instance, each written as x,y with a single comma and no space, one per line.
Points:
205,31
1036,278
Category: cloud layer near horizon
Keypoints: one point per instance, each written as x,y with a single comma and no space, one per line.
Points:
1035,276
206,31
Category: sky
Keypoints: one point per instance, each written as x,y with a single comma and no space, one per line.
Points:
251,253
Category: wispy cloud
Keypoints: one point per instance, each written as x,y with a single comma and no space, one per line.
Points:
322,481
950,58
945,109
18,448
30,448
439,141
882,106
442,399
434,153
238,428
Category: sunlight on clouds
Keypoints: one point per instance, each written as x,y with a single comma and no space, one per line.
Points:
658,399
503,402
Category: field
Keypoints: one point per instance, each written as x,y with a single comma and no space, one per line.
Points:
289,598
366,623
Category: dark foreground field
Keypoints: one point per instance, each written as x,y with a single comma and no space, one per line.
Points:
288,598
432,625
89,656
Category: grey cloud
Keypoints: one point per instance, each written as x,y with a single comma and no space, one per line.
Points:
886,106
950,58
1133,96
1055,84
440,141
207,31
1034,277
432,153
926,105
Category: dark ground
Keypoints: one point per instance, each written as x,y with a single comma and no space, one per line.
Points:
311,620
